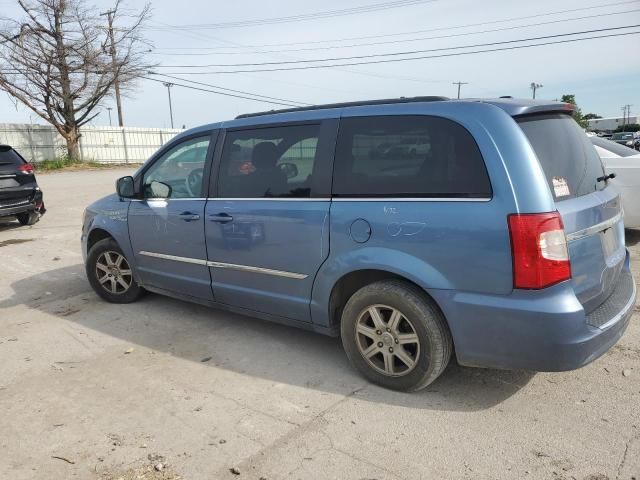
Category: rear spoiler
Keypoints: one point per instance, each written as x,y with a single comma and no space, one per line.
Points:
520,107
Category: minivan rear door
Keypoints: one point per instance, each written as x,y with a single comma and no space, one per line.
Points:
590,207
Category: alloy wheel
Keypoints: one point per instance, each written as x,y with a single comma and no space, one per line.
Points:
387,340
113,272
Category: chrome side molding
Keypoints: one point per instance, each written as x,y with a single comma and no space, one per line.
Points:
232,266
175,258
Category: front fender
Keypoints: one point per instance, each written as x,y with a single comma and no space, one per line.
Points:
369,258
110,215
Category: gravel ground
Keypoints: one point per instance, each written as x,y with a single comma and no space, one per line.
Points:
167,389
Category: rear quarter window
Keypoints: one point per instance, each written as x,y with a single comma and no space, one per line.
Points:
566,155
408,156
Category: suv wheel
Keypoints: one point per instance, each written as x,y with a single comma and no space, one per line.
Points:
110,274
28,218
393,333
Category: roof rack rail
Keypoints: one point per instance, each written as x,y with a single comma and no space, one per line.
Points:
348,104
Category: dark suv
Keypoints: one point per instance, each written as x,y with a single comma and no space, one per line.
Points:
20,195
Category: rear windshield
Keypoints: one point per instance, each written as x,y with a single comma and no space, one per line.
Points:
9,157
568,159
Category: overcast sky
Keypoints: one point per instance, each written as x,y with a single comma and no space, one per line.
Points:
604,74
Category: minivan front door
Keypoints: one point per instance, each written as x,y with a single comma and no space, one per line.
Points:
267,229
166,227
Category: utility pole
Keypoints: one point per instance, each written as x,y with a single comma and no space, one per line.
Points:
534,86
459,85
109,110
626,115
114,62
169,85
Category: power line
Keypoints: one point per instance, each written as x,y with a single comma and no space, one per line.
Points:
408,52
221,93
396,60
304,17
505,20
229,89
388,42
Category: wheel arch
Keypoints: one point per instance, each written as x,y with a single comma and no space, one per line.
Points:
351,282
97,234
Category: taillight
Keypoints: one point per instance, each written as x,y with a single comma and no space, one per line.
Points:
539,250
26,168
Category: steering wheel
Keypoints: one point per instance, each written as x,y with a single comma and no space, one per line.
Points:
193,182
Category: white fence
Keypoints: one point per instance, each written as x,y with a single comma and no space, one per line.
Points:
98,144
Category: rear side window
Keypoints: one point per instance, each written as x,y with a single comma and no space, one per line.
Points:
566,155
269,162
408,156
9,157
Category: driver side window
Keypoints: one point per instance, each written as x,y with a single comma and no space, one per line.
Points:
181,169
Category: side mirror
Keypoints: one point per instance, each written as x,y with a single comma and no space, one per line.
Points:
125,187
289,169
159,190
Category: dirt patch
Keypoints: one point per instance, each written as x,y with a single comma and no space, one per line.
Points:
156,469
146,472
626,351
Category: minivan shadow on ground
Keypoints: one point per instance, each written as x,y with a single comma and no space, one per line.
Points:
248,346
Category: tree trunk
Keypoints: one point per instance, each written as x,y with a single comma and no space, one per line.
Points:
73,147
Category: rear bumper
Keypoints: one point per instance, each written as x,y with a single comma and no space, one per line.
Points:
35,203
544,330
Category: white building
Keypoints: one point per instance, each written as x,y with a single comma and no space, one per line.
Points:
609,124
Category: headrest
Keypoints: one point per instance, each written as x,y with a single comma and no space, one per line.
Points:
264,155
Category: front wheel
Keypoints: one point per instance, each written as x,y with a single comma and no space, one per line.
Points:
110,274
395,336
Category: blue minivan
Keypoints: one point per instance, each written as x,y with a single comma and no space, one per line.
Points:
412,228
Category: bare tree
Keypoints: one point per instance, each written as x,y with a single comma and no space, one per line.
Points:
59,60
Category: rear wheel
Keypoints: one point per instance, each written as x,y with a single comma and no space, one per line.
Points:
394,334
110,274
28,218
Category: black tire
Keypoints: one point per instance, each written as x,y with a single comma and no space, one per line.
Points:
28,218
424,318
131,294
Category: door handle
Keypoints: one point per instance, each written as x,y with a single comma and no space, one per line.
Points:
221,218
189,217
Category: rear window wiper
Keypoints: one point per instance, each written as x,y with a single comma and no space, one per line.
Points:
604,178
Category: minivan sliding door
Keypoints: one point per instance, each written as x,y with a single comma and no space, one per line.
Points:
267,227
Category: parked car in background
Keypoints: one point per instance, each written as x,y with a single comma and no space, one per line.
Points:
412,228
20,194
628,139
625,163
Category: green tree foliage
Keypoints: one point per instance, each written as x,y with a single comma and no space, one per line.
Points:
629,127
577,114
